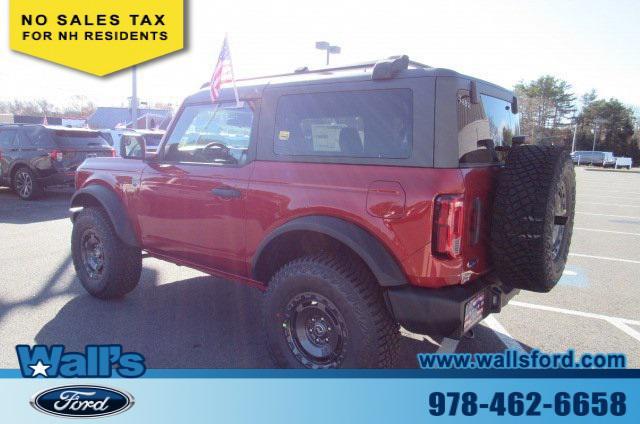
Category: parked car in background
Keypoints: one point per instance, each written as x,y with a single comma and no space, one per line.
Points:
118,138
152,139
33,157
588,157
106,134
622,162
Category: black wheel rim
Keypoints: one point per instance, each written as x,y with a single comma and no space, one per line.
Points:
92,252
560,220
24,184
315,331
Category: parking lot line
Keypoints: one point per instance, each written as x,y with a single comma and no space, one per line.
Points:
624,327
606,231
597,196
507,340
595,193
604,258
573,312
610,216
610,204
448,345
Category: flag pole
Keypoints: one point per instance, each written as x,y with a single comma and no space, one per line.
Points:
233,77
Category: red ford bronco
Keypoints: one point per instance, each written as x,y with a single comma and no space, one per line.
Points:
358,198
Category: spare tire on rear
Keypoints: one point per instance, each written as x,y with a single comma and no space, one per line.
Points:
533,217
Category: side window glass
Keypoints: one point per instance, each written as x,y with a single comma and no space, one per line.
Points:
7,139
218,134
35,136
360,124
23,141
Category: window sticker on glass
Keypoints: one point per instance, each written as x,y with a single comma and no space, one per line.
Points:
326,137
283,135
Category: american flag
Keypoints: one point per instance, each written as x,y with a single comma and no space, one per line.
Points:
223,73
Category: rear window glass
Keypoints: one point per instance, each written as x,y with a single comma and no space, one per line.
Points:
107,136
366,124
79,139
483,127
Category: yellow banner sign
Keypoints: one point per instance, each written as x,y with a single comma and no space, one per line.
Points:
96,36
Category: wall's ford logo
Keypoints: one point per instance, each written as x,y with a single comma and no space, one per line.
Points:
82,401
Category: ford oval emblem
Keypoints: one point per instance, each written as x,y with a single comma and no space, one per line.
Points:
82,401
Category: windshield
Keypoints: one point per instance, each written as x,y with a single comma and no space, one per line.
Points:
79,139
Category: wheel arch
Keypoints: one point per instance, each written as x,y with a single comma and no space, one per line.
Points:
100,196
17,165
311,234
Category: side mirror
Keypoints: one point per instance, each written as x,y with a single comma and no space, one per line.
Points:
133,147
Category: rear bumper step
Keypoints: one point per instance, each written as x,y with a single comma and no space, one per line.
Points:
442,311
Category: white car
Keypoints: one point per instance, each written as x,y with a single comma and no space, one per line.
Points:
588,157
117,138
624,163
152,139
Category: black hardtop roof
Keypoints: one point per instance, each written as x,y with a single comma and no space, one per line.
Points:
252,87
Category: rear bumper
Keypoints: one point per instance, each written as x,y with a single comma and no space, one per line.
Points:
442,311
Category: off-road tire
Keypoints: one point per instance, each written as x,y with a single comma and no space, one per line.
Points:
372,336
122,263
19,177
525,215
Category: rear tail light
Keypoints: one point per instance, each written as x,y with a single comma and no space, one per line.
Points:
57,155
113,153
448,220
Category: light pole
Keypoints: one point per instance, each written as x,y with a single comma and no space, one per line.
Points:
134,97
597,121
324,45
575,132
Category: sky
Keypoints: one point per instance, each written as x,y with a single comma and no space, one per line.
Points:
591,44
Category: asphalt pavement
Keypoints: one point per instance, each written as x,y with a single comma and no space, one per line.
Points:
180,318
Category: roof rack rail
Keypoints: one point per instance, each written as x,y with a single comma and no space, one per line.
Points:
396,62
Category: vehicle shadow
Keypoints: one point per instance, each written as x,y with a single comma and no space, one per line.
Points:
53,205
201,322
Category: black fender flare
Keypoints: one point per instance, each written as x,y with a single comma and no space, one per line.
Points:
112,204
381,263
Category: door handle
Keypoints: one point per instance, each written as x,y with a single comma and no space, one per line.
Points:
226,193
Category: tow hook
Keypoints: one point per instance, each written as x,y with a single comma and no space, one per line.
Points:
496,295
